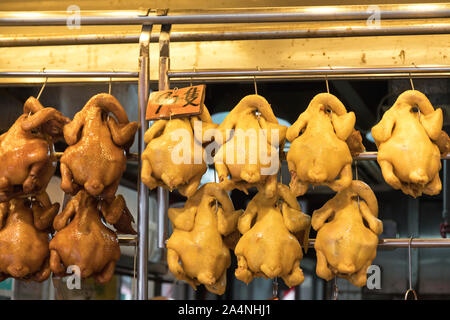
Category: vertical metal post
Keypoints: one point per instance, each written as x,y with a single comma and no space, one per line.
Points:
163,84
144,90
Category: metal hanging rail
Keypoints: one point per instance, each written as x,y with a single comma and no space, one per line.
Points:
69,74
308,73
266,33
325,13
404,243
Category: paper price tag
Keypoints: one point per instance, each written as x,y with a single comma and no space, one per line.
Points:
175,103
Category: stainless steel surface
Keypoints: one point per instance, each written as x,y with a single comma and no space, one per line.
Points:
143,216
164,66
404,243
238,16
248,32
69,74
445,192
127,240
308,72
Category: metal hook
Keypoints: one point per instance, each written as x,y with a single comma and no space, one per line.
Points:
254,81
110,85
190,83
326,81
412,86
258,114
335,289
410,273
411,81
43,86
275,289
356,176
215,181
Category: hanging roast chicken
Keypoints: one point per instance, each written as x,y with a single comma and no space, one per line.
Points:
173,157
24,237
408,157
272,234
249,146
319,154
197,251
95,158
347,234
27,152
83,240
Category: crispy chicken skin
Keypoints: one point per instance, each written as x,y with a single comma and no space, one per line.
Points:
95,158
197,250
24,237
27,151
272,233
407,153
247,153
347,234
320,140
83,240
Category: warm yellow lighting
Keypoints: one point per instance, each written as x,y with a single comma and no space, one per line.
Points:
424,7
26,14
322,10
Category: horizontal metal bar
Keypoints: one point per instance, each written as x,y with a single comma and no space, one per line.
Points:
69,74
383,243
308,72
404,243
296,15
297,32
127,240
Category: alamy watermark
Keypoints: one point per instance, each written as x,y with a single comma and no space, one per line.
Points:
74,19
373,277
74,280
374,20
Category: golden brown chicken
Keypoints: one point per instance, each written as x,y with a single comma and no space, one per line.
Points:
173,157
95,158
407,155
319,153
24,250
27,151
83,240
249,146
196,251
271,235
347,234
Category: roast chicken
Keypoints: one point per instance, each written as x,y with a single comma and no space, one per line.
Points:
173,157
95,158
319,153
82,239
272,234
24,237
197,251
407,154
249,146
347,234
27,152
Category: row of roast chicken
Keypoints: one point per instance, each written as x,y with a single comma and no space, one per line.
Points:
267,238
91,168
323,139
409,138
